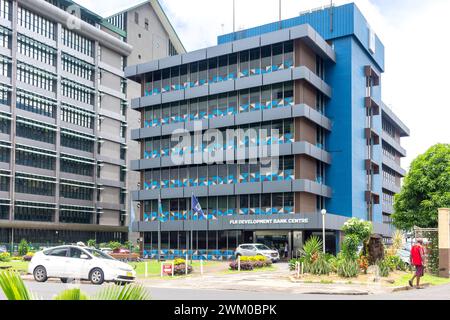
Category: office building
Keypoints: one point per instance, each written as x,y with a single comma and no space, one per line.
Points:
311,87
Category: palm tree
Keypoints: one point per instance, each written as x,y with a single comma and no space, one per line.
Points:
15,289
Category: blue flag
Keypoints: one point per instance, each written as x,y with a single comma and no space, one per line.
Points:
197,209
160,211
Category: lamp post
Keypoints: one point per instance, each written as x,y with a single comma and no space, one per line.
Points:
324,212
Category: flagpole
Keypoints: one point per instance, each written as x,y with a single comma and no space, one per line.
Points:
159,228
192,231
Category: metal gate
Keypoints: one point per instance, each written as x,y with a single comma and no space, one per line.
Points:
431,244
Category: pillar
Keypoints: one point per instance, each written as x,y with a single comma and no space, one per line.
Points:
444,243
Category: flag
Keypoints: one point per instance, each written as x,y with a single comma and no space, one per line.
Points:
197,210
160,211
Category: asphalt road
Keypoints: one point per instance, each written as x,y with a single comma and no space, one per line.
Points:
48,290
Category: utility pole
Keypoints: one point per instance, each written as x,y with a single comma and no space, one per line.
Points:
234,15
279,13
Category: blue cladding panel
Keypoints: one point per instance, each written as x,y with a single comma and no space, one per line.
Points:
338,109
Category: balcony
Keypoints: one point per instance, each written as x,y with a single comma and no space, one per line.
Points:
369,72
372,166
371,135
372,197
369,103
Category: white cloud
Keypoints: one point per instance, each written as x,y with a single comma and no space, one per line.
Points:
417,64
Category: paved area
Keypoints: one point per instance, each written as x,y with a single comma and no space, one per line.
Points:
48,290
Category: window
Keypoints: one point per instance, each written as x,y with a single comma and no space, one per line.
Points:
60,252
76,190
37,158
36,50
36,23
136,17
78,67
77,92
35,103
77,42
146,24
35,130
36,77
5,9
37,185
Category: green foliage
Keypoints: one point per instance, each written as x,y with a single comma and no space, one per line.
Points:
433,253
129,292
311,248
320,266
426,188
13,286
347,268
292,263
395,263
5,257
114,245
383,267
23,247
350,246
92,243
71,294
359,228
178,262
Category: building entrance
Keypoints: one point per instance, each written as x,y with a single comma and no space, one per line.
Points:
276,240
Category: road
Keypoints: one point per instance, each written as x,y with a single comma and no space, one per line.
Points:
49,289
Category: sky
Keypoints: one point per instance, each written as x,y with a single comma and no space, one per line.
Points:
414,33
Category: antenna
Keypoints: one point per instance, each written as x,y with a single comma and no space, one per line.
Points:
331,16
234,15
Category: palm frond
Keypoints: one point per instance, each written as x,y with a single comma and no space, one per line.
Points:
71,294
13,286
127,292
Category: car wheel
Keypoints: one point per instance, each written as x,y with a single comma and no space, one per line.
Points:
40,274
96,276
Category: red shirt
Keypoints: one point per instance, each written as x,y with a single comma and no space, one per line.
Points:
416,255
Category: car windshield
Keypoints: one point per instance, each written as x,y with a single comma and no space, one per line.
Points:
99,254
261,247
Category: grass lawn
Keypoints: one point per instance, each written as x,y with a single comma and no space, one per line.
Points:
20,266
154,267
433,280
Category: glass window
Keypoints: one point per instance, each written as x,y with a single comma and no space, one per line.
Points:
223,68
244,101
203,72
203,108
212,70
212,106
266,97
288,54
175,78
232,66
244,64
277,57
194,80
232,103
222,105
266,59
255,62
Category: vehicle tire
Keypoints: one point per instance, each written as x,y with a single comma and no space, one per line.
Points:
96,276
40,274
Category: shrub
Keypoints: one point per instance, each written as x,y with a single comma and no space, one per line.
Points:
348,268
383,268
92,243
359,228
292,263
28,256
320,266
23,247
363,263
114,245
245,266
395,263
5,257
179,261
350,246
180,269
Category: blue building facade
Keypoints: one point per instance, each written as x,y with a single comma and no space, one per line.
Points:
314,78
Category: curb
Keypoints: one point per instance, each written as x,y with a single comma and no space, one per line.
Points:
408,288
354,293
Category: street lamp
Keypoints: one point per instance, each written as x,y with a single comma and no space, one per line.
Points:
324,212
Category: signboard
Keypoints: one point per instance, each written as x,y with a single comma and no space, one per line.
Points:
167,269
270,221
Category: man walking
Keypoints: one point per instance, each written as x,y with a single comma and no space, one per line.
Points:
417,259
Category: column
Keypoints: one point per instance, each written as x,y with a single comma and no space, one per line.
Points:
444,242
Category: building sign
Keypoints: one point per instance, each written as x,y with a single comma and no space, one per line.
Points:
270,221
372,41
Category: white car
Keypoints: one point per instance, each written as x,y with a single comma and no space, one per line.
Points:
74,262
256,249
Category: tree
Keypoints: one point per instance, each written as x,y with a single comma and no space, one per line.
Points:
426,188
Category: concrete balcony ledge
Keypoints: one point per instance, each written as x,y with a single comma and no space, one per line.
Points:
394,166
296,111
393,143
391,187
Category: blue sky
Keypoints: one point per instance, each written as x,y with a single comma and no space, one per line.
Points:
414,33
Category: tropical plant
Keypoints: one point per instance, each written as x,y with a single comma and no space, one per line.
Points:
320,266
350,246
363,263
14,289
383,268
292,263
114,245
358,227
395,263
5,257
245,266
23,247
28,256
311,249
71,294
425,190
13,286
92,243
347,268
